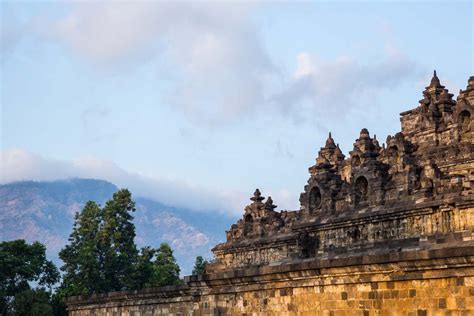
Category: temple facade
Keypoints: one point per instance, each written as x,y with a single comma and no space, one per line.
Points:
385,230
404,194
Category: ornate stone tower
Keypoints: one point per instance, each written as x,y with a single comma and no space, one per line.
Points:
415,189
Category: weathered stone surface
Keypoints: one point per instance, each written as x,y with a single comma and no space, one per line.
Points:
386,231
419,184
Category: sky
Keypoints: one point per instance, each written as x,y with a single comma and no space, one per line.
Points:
196,104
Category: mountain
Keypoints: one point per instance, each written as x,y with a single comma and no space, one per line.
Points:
44,211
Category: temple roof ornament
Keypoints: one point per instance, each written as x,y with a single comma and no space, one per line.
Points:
257,197
330,142
435,92
364,134
269,204
328,156
435,81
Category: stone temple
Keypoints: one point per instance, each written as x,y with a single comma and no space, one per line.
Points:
385,230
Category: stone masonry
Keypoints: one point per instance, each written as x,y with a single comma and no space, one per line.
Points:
387,230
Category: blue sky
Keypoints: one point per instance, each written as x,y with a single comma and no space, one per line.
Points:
198,103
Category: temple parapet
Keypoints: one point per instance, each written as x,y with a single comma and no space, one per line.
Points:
416,191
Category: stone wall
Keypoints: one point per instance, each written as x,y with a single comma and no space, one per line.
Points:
431,282
387,231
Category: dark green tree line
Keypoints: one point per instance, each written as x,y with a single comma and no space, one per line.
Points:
101,256
26,279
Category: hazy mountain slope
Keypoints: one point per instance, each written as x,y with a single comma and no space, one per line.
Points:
44,211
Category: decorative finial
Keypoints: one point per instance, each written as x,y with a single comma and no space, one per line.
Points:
435,80
257,196
364,133
269,204
330,142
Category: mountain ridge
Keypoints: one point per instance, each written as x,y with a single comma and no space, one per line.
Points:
44,211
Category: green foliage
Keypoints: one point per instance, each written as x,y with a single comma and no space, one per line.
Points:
32,302
57,304
82,257
21,265
199,265
116,240
145,270
165,268
102,256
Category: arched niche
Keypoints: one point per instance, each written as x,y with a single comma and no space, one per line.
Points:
248,224
314,199
361,191
465,125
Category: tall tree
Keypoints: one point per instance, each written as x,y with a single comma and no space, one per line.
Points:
199,265
145,268
21,266
83,257
166,270
116,238
102,256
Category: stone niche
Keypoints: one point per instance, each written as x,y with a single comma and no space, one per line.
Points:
387,230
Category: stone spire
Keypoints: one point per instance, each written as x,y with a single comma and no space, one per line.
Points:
376,142
330,142
434,92
328,156
365,146
257,197
435,80
269,204
364,134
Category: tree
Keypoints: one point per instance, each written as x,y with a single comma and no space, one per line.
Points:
83,257
144,270
21,265
116,238
32,302
199,265
101,255
166,270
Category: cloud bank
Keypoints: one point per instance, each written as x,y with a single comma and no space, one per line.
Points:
210,52
214,60
335,86
19,164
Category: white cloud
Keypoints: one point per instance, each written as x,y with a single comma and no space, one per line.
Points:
337,85
214,63
216,60
19,165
